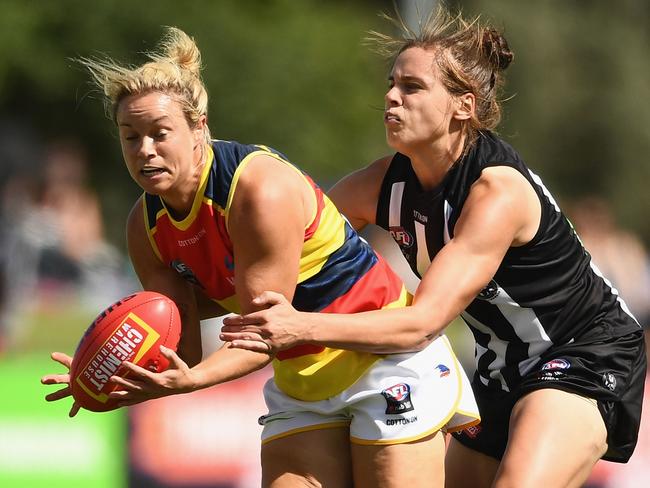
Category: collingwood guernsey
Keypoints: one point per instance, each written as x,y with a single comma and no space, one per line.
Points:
545,293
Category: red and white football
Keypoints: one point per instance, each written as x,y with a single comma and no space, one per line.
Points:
132,329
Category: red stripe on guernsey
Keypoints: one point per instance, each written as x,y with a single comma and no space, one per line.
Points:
320,204
379,287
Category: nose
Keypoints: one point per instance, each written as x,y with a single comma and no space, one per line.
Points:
392,97
146,149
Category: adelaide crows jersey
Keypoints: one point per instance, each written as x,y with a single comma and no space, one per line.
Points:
544,293
338,272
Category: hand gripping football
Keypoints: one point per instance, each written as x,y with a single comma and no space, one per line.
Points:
132,329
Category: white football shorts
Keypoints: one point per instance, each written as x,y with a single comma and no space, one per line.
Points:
401,398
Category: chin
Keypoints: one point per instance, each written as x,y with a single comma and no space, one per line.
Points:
153,189
394,142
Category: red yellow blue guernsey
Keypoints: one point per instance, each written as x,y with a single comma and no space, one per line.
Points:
339,272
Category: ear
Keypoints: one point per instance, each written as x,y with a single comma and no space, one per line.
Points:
199,130
465,106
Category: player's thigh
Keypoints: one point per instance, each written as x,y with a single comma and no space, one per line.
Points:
414,464
555,439
315,458
467,468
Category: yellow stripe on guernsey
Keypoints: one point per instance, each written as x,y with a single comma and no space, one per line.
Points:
328,237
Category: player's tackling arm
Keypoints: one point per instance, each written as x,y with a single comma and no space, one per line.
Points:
501,211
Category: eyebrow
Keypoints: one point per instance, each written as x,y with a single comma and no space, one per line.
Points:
406,78
125,124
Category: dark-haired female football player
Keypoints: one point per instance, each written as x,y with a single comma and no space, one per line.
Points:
560,360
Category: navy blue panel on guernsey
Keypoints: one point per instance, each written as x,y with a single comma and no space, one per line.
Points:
154,205
343,269
228,155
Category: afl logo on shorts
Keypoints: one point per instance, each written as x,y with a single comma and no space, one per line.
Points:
490,291
472,431
556,364
398,398
401,236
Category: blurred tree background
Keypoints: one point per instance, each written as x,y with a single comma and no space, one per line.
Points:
295,75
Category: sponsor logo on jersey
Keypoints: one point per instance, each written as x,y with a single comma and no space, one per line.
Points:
398,398
420,217
490,291
401,236
442,370
609,380
556,364
186,272
192,240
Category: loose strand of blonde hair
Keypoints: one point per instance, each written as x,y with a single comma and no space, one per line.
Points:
174,68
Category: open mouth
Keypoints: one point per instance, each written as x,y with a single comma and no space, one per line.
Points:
151,171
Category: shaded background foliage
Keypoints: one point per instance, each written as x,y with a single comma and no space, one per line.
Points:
295,75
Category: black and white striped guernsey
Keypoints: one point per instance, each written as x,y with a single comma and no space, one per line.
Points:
544,293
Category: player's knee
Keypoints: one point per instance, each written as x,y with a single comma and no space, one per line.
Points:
598,446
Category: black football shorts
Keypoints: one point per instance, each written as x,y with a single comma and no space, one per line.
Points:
598,365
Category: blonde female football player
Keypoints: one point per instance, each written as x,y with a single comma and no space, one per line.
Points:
218,223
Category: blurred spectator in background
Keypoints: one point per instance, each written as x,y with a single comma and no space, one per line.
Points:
82,257
19,157
622,257
53,247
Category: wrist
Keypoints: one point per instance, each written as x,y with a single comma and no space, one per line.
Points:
198,379
310,332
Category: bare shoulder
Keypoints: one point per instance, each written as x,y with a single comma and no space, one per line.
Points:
269,186
497,178
267,177
504,191
141,252
368,177
356,194
135,220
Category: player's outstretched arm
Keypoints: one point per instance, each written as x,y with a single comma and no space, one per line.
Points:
139,384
